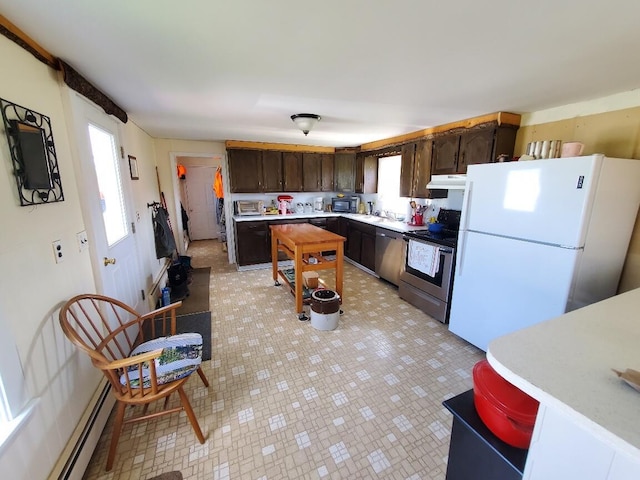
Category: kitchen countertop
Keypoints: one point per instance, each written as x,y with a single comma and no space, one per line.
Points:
369,219
566,363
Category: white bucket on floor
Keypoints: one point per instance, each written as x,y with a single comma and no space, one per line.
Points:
325,310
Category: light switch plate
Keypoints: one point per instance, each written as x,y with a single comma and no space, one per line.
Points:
83,241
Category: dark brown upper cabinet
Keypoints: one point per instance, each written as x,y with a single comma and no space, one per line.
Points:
415,169
271,171
317,171
312,172
366,174
345,172
327,172
292,171
252,171
445,154
452,153
245,171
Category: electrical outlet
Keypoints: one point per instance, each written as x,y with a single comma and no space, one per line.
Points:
83,241
57,251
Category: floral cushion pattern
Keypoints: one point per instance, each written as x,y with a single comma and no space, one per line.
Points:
181,356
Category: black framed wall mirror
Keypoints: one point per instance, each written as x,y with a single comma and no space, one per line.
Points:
33,154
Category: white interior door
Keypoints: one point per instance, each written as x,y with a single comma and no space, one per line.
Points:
201,203
107,206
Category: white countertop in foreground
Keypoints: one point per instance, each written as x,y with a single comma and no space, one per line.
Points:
566,364
369,219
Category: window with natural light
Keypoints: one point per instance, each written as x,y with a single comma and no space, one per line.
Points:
105,159
389,185
15,404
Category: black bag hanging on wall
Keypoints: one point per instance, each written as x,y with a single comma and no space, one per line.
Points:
165,243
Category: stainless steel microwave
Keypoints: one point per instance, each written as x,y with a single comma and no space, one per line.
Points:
345,204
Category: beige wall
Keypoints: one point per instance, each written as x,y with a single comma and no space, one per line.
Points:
33,286
613,133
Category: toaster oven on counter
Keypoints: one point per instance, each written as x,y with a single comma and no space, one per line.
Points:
249,207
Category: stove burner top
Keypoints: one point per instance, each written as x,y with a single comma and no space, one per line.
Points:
448,236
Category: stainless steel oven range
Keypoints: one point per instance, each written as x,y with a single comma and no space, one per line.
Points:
427,279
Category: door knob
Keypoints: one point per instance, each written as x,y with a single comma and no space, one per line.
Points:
109,261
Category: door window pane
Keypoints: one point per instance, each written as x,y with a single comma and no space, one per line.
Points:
105,159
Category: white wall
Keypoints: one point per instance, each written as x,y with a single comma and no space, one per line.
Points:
33,287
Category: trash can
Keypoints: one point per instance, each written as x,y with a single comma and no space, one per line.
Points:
325,309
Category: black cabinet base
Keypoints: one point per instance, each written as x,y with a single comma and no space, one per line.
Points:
475,452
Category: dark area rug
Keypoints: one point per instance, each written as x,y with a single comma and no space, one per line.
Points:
194,315
168,476
193,322
198,298
200,323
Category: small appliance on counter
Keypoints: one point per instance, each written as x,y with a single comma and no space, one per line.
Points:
345,204
249,207
370,208
318,204
284,204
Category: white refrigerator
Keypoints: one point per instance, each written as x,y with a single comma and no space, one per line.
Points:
540,238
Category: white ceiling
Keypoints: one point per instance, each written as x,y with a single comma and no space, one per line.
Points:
238,69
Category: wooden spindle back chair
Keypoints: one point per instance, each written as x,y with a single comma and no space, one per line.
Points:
120,344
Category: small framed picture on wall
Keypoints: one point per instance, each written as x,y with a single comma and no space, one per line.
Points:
133,168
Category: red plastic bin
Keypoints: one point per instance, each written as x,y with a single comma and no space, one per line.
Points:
506,410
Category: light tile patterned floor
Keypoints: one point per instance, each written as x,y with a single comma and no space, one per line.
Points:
287,401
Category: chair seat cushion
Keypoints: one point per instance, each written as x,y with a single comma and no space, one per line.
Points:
181,356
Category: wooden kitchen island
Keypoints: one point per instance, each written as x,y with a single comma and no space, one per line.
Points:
304,244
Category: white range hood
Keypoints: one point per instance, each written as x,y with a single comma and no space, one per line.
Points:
447,182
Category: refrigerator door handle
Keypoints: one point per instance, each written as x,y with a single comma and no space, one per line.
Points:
460,259
465,205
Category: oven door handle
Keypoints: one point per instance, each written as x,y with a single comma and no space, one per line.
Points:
444,250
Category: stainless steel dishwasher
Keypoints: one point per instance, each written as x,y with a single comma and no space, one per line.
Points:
390,254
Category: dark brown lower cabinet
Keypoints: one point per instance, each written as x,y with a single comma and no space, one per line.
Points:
368,251
333,224
361,244
252,245
354,243
253,239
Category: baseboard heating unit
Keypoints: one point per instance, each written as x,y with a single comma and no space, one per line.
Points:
77,454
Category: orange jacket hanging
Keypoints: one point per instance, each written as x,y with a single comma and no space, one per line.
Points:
217,184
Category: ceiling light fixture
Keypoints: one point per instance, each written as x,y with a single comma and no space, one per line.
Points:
305,121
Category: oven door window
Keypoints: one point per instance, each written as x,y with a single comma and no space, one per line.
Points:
421,264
